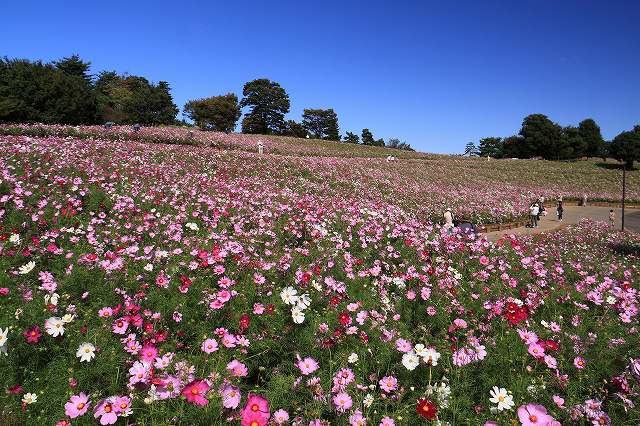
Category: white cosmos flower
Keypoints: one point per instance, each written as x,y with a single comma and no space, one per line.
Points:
14,238
303,301
26,268
420,350
353,358
297,314
368,400
289,295
3,340
29,398
501,397
54,326
410,360
148,267
431,356
51,298
67,318
192,226
86,352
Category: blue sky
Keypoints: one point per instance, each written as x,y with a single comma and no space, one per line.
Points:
434,74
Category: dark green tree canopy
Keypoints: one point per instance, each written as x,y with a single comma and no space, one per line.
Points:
591,135
74,66
321,123
490,147
540,137
471,150
215,113
268,103
367,137
295,129
128,99
37,92
351,138
395,143
571,145
626,146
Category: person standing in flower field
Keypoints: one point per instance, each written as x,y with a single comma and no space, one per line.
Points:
560,209
534,211
612,218
448,220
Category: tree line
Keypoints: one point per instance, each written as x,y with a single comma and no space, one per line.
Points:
539,137
65,92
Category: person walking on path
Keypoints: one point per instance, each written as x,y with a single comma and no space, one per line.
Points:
612,218
534,211
560,209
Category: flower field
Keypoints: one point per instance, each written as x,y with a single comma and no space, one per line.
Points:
159,284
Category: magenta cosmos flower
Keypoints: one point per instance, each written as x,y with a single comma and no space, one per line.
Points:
534,415
106,412
77,406
389,383
209,346
256,412
195,392
342,401
148,353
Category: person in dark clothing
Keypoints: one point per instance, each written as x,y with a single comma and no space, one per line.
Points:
560,209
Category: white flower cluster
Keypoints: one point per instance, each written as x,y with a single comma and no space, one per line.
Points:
299,303
412,358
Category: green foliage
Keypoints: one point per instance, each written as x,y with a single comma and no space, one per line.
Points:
268,102
295,129
351,138
215,113
395,143
590,133
571,145
626,146
126,99
46,93
321,123
540,137
491,147
471,150
367,137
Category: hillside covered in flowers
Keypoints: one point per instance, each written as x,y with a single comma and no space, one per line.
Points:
175,278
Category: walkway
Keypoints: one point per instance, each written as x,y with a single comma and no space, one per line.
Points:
573,215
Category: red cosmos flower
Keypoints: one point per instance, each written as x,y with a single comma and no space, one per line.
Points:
334,301
15,389
345,318
306,277
426,409
244,322
271,308
549,345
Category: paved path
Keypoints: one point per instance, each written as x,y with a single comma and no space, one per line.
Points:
572,215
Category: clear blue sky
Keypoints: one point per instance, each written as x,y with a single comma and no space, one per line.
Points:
434,74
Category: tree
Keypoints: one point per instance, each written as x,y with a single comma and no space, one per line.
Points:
131,99
396,144
513,147
490,147
471,150
540,137
351,138
572,145
367,137
37,92
295,129
268,102
321,123
626,146
590,133
215,113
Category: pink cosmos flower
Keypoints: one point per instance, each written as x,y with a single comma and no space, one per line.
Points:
307,365
105,411
533,415
230,397
403,345
536,350
148,353
280,417
122,406
389,383
387,421
105,312
342,401
77,406
558,400
256,412
579,362
195,392
209,346
120,326
238,369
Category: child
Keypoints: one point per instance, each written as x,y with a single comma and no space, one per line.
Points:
534,211
612,218
560,209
